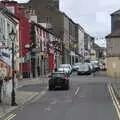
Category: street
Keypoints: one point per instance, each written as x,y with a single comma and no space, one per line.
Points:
87,99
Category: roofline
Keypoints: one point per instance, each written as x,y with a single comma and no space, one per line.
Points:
10,2
69,18
89,35
43,28
114,13
5,10
112,35
9,14
96,45
79,26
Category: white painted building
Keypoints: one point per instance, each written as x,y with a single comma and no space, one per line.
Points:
81,41
8,22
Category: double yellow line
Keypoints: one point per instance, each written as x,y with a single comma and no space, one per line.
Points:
10,117
115,101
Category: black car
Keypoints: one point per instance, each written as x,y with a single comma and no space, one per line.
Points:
58,79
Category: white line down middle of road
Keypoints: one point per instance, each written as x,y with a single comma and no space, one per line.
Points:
76,92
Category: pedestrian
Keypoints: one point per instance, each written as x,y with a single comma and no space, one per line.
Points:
94,72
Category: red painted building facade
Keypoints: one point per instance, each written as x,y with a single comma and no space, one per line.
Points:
42,59
46,49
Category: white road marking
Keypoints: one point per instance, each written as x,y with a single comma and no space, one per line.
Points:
39,96
76,92
53,102
10,117
82,96
47,109
65,101
42,93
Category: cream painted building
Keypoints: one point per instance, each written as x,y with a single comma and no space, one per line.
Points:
93,54
113,46
8,22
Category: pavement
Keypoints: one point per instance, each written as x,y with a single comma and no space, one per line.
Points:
89,98
24,94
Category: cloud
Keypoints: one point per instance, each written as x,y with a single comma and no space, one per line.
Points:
22,1
94,15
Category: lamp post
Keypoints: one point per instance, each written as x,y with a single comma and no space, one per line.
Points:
12,35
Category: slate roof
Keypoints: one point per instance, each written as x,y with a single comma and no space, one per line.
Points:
116,12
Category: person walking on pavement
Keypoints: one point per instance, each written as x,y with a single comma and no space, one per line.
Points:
94,72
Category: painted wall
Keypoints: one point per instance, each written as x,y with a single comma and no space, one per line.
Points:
113,46
24,31
6,26
81,41
113,66
93,54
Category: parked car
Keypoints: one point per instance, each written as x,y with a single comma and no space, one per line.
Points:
76,66
65,68
102,66
96,65
58,79
84,69
91,67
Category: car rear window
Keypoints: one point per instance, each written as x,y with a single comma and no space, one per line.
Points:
58,74
64,65
84,66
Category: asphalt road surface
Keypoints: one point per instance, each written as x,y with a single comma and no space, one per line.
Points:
87,99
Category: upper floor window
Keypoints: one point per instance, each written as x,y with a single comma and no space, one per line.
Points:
8,28
11,9
48,19
2,25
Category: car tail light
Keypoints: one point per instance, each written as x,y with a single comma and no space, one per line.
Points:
65,78
49,78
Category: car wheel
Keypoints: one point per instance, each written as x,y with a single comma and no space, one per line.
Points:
51,88
66,87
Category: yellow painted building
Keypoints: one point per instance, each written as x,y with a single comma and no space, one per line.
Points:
113,67
113,56
113,46
93,54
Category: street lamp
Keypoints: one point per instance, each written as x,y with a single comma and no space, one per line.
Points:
12,35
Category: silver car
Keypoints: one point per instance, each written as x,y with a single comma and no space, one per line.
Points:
65,68
76,66
84,69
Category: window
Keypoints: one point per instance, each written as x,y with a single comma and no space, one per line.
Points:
3,25
8,28
11,9
0,25
48,19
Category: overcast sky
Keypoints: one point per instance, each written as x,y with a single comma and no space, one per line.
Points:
93,15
